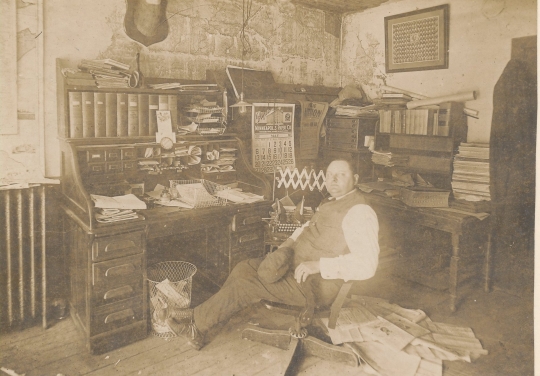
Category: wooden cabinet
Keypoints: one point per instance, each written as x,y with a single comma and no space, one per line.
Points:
345,139
108,261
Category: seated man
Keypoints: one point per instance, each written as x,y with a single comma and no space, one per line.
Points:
339,243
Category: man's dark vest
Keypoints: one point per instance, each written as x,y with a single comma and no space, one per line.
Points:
324,236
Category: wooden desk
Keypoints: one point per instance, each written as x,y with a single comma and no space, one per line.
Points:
455,223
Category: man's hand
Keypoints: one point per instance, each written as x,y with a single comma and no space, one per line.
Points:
305,269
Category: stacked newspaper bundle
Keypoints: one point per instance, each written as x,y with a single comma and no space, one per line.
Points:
396,341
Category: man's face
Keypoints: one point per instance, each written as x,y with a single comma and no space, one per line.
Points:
339,178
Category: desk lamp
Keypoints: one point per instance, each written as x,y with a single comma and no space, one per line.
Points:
242,104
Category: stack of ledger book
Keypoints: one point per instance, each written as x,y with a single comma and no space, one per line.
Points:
470,179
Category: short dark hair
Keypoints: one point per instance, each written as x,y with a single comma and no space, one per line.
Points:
352,165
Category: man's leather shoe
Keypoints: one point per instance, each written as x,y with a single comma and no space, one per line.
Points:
187,330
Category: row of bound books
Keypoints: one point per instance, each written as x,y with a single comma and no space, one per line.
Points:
428,122
97,114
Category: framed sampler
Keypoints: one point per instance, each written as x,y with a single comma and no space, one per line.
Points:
417,40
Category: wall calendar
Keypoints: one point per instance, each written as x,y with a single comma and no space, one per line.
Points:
272,136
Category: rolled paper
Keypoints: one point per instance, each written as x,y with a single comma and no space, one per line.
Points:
460,97
401,91
470,112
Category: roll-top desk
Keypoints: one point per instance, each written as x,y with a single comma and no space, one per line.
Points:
107,261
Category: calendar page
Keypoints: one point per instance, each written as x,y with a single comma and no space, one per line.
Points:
272,136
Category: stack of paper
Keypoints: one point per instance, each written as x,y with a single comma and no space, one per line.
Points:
118,202
470,178
388,159
397,341
110,73
115,215
354,110
237,196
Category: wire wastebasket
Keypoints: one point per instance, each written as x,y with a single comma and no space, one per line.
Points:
169,286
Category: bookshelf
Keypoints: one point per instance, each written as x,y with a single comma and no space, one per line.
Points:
428,138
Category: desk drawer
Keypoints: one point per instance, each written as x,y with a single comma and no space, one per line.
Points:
116,315
96,168
129,153
129,165
117,246
95,156
242,220
105,295
114,166
246,239
112,155
433,221
116,272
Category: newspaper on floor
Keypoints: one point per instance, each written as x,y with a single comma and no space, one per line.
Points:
393,340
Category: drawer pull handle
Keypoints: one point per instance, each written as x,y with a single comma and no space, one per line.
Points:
251,220
113,155
248,238
120,270
120,245
125,314
119,292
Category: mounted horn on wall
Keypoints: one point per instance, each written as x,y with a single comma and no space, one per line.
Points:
145,21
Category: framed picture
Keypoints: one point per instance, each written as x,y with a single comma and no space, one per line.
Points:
417,40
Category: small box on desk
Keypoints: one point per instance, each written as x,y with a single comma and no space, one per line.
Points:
424,197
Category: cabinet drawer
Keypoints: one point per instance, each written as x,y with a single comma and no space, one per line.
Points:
116,272
95,156
117,246
116,315
241,220
107,295
96,168
129,154
248,238
112,155
129,165
114,166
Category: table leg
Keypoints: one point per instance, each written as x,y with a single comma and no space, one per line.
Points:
454,271
487,264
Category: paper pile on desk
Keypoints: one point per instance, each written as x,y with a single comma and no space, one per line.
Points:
115,215
129,201
396,341
237,196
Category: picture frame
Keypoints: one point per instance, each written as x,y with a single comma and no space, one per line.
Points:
417,40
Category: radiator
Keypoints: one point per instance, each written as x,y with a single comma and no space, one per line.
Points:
23,263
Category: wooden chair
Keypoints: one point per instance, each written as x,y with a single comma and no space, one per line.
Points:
296,340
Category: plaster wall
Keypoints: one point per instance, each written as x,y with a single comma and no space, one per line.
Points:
288,40
480,44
